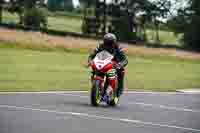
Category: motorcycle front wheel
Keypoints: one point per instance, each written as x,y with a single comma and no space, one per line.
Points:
114,100
95,93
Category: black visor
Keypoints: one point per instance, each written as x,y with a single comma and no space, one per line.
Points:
108,43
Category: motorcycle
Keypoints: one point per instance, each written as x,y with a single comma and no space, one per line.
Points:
102,90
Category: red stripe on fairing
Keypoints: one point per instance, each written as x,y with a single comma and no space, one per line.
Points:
104,69
107,68
93,66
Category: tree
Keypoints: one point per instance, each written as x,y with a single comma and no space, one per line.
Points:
17,6
159,9
30,12
35,18
68,5
187,22
51,4
1,10
192,31
87,2
54,5
149,12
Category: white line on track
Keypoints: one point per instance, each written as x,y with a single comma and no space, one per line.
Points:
145,104
77,92
47,92
165,107
100,117
72,95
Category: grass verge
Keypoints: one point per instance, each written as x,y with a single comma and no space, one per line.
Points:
54,69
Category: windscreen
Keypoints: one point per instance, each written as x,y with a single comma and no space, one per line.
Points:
104,55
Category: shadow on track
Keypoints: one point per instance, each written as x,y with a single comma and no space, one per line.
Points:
81,104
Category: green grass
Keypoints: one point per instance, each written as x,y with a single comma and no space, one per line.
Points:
166,37
60,23
66,13
64,23
42,70
10,18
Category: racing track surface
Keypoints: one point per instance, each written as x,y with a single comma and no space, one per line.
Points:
72,113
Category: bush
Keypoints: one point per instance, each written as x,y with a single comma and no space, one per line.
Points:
35,18
191,37
78,10
187,23
122,30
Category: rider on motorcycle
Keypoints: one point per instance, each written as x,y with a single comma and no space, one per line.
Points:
110,44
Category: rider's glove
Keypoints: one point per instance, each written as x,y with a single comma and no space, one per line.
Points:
90,62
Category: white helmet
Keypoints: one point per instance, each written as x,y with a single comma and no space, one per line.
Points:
110,37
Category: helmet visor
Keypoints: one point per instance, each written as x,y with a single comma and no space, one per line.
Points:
108,43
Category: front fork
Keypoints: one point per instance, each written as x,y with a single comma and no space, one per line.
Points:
108,86
100,79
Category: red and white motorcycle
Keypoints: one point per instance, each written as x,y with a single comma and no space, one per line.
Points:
103,85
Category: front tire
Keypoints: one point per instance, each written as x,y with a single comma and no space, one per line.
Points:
95,93
114,101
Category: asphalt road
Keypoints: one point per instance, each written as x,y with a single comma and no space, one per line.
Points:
72,113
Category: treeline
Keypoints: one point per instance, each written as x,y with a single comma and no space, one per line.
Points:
55,5
187,22
34,13
31,13
184,22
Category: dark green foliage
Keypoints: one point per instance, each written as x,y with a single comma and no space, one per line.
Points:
1,10
35,18
127,24
51,4
79,10
87,2
30,13
187,23
122,30
56,5
192,32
